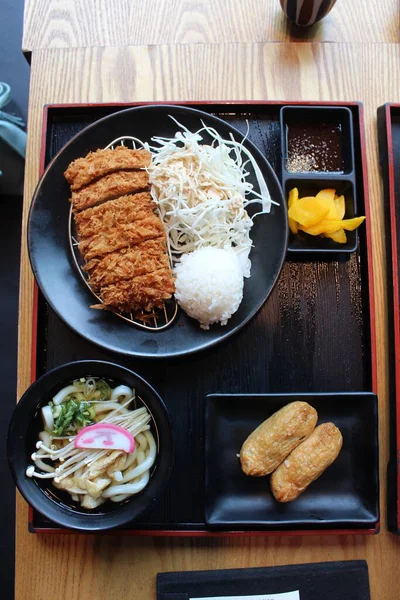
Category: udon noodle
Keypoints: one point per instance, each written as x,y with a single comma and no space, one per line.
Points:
93,476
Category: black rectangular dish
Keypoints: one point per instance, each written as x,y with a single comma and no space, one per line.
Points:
315,334
346,495
389,151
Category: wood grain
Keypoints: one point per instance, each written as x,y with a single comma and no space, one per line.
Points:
84,23
116,567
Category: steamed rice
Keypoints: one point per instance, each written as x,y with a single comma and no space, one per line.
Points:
209,285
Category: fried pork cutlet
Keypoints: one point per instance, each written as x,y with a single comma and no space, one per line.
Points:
121,211
97,164
111,186
127,263
122,236
140,293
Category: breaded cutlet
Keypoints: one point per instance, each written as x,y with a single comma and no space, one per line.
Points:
111,214
140,293
97,164
127,263
111,186
122,236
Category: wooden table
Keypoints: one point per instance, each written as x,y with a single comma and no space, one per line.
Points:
126,50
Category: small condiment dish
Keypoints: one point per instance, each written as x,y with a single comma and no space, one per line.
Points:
317,140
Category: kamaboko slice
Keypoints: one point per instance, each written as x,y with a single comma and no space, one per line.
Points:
103,436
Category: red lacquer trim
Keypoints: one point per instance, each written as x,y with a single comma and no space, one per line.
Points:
217,534
205,533
396,311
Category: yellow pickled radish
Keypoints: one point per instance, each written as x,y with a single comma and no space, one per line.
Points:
293,197
338,236
321,215
329,195
330,226
352,224
309,211
340,207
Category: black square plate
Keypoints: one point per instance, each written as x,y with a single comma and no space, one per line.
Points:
345,496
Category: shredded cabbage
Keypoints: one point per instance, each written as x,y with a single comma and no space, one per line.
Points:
202,192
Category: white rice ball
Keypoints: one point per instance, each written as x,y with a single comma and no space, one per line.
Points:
209,285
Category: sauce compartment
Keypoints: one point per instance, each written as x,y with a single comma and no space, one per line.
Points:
317,140
317,245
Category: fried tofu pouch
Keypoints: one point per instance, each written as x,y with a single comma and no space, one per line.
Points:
275,438
306,463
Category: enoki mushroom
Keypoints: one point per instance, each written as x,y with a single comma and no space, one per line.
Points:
92,476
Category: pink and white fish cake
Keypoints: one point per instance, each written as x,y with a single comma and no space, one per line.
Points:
104,436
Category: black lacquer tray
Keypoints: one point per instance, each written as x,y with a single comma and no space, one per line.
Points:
314,334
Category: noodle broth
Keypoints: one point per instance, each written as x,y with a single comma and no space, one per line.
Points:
63,497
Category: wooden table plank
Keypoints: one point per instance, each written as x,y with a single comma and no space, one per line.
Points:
84,23
114,567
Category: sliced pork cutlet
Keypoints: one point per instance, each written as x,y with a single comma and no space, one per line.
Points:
83,171
122,236
141,293
127,263
108,187
110,215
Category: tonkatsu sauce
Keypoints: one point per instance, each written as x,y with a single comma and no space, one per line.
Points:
314,147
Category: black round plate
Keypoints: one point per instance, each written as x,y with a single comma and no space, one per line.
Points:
60,282
22,436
